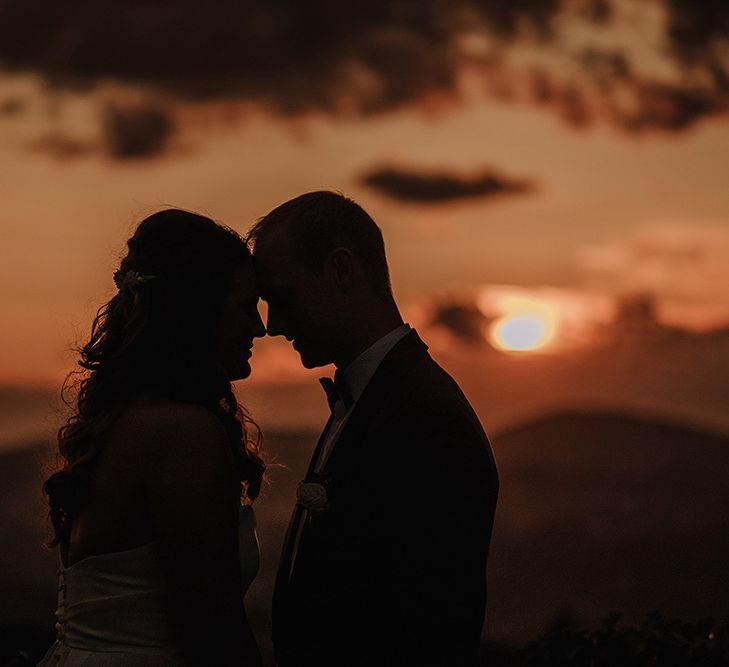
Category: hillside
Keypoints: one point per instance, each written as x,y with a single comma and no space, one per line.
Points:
603,511
596,512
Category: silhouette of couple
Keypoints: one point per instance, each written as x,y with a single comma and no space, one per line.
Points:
384,561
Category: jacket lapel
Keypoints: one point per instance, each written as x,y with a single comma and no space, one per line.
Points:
298,515
384,381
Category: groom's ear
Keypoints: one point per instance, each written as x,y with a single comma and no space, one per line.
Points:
340,266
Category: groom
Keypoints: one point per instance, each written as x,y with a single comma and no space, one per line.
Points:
384,562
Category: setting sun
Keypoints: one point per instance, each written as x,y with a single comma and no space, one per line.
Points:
526,325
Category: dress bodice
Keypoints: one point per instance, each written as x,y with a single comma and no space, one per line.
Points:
117,604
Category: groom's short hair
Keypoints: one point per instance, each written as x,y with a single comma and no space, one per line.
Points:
317,223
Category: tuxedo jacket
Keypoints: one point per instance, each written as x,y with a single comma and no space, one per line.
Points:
393,572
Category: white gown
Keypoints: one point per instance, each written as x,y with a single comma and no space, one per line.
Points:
113,611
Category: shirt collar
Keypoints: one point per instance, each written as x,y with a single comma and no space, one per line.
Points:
358,374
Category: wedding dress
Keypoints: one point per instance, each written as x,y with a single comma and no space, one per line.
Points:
113,610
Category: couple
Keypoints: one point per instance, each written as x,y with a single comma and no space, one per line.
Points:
384,560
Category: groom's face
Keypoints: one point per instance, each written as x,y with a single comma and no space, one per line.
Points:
302,305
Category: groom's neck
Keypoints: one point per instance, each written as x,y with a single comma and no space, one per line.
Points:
366,327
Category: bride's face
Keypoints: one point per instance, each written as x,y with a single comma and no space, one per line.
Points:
239,323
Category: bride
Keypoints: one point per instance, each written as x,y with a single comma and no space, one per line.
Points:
151,507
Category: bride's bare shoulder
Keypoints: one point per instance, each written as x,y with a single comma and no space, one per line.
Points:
160,427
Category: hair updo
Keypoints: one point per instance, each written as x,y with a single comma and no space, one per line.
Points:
157,333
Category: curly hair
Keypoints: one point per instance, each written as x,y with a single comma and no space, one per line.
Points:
157,333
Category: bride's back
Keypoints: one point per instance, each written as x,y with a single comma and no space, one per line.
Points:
115,514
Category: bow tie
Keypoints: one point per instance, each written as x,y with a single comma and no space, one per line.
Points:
337,390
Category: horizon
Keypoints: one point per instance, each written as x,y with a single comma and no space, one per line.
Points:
550,186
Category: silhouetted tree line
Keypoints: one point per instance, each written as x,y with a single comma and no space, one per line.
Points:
657,641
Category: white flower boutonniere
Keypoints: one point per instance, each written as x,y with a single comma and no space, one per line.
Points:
312,496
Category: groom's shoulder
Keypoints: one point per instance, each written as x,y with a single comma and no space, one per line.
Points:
421,380
425,391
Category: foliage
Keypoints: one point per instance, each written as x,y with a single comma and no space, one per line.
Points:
657,641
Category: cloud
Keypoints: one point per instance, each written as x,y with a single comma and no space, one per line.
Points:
412,186
593,316
682,266
291,56
12,106
136,131
609,352
697,28
579,317
63,146
462,317
666,107
357,58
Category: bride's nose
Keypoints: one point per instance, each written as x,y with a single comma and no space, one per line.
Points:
259,330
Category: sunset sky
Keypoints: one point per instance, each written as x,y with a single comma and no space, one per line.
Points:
561,166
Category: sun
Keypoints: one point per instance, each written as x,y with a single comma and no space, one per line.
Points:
526,325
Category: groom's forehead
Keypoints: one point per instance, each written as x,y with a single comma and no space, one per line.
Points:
277,263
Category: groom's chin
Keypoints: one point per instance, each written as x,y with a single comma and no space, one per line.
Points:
310,361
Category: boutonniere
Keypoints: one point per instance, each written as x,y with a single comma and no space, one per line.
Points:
313,495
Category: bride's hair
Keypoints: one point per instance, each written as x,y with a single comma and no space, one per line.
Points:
158,332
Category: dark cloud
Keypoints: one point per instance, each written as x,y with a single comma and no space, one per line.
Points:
414,186
128,131
637,319
637,310
566,99
697,28
364,57
136,131
671,108
597,11
461,317
292,56
12,106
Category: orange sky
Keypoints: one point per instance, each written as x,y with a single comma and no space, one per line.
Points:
608,211
604,133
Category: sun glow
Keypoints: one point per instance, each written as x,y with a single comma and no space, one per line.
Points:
544,319
526,324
